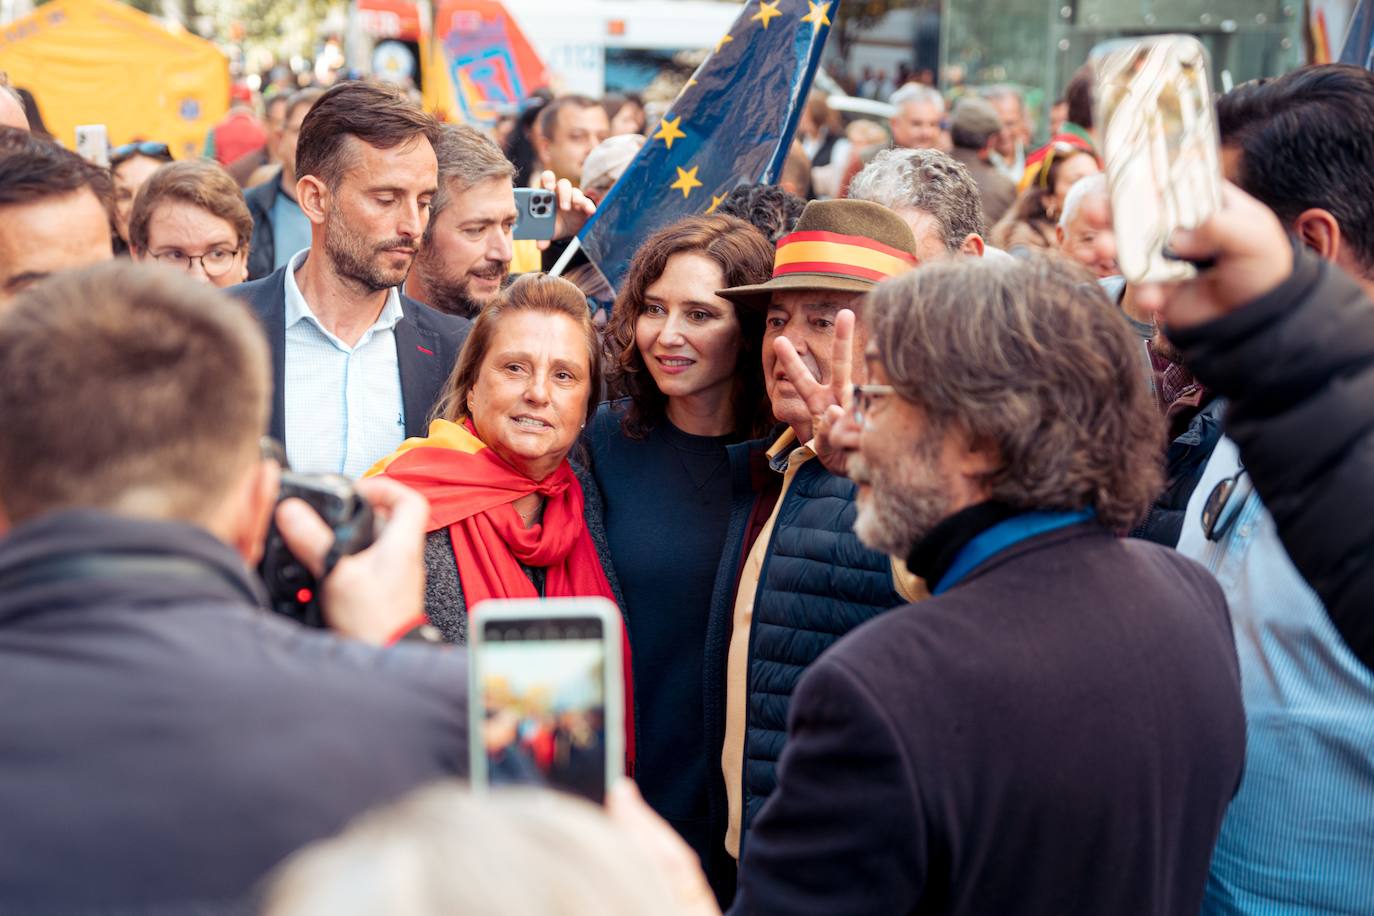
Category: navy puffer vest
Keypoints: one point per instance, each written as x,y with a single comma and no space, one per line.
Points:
817,583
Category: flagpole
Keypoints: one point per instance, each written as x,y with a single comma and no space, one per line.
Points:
562,263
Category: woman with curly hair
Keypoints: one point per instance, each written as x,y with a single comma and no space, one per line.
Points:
691,365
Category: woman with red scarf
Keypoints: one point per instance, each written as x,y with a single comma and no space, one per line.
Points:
510,515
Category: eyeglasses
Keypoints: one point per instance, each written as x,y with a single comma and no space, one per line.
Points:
864,396
215,262
1216,521
142,148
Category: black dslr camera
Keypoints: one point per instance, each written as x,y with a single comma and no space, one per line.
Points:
294,592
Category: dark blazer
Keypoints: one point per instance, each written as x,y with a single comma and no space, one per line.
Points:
1297,366
427,346
262,250
166,741
1059,733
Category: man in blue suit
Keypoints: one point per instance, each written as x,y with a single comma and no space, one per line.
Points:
357,366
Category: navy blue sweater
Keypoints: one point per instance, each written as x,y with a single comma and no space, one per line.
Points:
667,506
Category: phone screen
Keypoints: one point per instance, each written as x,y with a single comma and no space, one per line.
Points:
543,687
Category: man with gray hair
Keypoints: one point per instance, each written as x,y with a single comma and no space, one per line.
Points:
978,752
917,122
933,194
467,248
1091,242
1009,147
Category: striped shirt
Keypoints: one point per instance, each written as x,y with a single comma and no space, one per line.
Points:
1299,836
344,409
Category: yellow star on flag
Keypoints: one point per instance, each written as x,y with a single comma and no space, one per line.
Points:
724,40
766,12
668,131
715,202
817,16
686,180
690,84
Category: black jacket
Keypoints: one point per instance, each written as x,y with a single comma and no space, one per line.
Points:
427,345
1184,464
1297,366
166,741
1059,733
262,250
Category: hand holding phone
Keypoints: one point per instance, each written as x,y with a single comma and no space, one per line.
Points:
536,213
546,695
1159,139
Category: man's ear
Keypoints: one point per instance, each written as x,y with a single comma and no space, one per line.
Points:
251,511
973,245
1059,236
1320,232
314,198
541,146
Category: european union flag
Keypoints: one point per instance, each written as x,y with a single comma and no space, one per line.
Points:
732,124
1359,38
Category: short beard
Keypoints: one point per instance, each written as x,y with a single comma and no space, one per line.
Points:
353,260
451,296
1164,348
905,503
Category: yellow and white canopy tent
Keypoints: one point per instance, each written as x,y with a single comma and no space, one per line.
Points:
101,62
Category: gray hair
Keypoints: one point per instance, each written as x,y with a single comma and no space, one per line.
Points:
916,92
1026,357
466,157
1003,91
1079,192
925,180
442,850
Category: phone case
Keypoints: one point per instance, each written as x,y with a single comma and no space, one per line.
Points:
1158,131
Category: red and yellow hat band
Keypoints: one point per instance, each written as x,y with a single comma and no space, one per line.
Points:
843,255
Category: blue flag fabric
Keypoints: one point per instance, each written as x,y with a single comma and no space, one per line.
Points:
1359,38
732,124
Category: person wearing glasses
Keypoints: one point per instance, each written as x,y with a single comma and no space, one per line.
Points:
1059,727
191,216
131,165
793,577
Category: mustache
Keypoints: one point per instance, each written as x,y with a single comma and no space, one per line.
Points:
412,245
495,270
811,366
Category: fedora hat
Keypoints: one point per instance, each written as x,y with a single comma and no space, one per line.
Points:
844,245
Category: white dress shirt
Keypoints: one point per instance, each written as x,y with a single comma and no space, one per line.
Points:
344,409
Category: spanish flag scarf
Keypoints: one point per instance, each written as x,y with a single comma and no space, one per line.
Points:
472,493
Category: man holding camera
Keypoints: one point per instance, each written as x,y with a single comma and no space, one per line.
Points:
167,741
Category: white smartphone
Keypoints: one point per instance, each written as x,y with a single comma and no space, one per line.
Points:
93,144
1159,139
546,696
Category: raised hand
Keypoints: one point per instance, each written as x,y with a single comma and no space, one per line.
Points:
574,207
829,404
1252,256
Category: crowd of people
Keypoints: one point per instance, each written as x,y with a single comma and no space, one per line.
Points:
958,575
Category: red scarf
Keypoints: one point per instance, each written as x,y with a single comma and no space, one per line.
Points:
472,493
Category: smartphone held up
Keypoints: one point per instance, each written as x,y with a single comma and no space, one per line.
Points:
1158,131
546,695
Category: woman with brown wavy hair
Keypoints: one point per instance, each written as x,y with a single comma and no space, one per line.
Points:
691,365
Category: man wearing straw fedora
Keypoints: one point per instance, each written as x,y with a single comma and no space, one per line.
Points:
794,578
